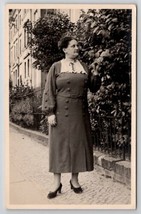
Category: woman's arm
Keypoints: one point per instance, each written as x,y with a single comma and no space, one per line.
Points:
49,94
94,80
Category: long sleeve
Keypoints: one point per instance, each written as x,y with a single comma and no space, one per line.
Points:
49,94
94,82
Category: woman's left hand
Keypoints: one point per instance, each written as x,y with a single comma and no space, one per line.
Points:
52,120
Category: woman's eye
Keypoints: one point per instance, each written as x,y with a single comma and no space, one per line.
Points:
75,46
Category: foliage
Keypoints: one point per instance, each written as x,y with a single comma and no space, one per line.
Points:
21,113
44,125
18,92
25,107
105,39
46,33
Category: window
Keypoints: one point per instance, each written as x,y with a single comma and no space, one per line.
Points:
16,25
24,37
16,77
20,79
28,67
19,20
14,28
35,16
25,69
18,71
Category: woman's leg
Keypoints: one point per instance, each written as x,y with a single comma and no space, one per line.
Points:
56,187
57,181
74,180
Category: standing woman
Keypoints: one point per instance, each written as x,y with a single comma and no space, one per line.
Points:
65,104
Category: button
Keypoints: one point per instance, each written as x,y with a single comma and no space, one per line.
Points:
68,89
46,93
66,115
46,101
68,81
66,107
67,101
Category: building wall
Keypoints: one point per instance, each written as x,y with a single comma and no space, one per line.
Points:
21,69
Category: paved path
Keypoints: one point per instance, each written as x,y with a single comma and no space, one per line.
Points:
30,180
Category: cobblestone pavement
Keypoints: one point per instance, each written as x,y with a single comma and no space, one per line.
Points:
29,159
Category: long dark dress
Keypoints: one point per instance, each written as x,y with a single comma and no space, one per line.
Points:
70,143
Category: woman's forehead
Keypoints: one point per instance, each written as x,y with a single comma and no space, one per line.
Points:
73,42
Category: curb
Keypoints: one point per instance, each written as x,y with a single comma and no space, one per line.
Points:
38,136
109,167
114,168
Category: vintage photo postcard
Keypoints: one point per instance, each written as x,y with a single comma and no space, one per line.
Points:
70,106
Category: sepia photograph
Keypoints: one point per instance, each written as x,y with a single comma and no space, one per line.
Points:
70,106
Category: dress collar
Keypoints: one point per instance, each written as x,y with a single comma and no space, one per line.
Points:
70,66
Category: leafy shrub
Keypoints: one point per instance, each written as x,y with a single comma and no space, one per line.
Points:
25,107
44,125
22,113
105,42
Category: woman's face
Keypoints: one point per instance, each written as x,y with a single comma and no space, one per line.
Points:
72,50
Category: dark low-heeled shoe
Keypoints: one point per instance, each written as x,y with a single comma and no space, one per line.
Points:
54,194
76,189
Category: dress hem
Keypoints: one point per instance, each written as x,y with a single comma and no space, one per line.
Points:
70,171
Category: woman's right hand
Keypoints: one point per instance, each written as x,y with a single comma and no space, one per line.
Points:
52,120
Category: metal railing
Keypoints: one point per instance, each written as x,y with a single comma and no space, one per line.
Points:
111,138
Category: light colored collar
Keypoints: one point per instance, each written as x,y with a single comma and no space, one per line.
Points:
77,67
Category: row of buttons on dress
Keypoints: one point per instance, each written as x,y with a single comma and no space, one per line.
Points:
66,108
67,100
84,104
45,101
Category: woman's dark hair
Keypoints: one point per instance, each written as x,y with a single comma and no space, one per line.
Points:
64,42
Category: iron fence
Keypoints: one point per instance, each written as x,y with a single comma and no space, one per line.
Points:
111,138
107,138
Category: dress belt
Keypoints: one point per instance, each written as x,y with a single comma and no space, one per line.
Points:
73,96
